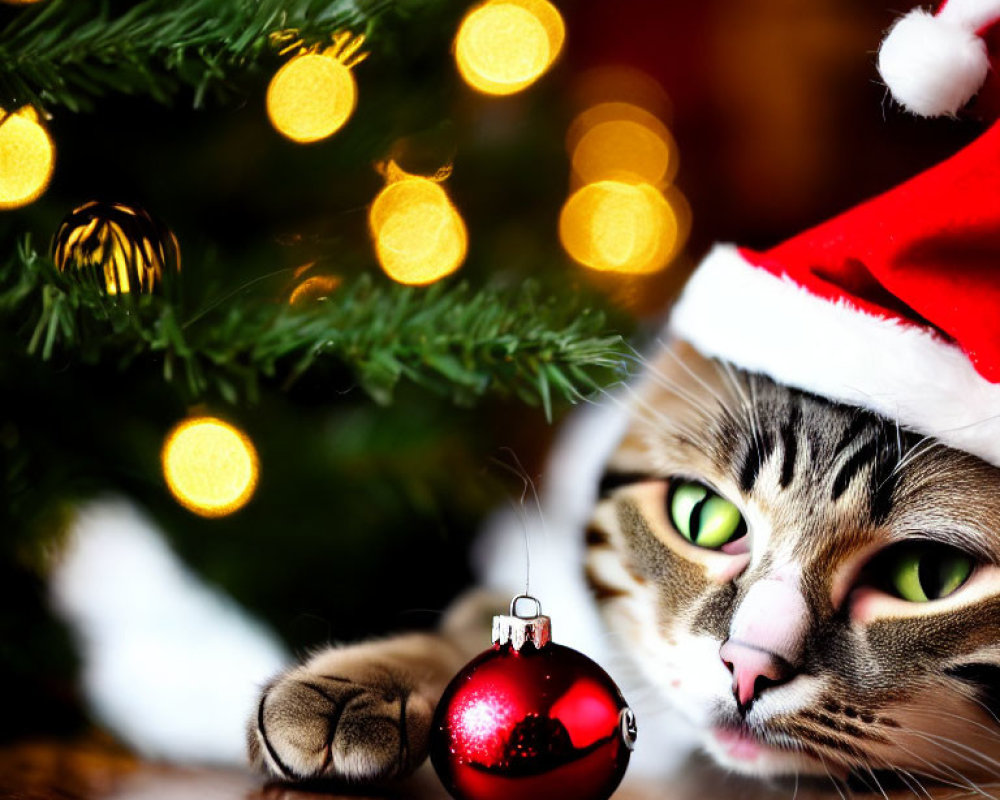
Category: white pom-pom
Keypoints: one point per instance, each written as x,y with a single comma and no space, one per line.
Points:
932,66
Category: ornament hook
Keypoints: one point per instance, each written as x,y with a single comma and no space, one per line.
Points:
528,598
516,629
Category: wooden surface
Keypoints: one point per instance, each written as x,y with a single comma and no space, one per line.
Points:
97,770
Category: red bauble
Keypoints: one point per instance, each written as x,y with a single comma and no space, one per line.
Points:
531,720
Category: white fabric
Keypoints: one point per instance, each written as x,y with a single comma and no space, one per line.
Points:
170,664
935,65
971,14
740,313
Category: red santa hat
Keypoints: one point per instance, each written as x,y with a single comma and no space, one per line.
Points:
893,306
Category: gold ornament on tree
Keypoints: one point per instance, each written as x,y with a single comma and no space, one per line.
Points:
27,157
314,94
118,246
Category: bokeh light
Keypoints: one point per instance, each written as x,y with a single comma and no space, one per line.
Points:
620,83
614,226
621,141
503,46
311,97
210,466
419,236
27,157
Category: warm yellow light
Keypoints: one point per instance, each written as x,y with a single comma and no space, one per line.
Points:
503,46
210,466
27,157
620,141
311,97
620,227
419,236
122,244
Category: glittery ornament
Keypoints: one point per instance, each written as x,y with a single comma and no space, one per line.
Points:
532,720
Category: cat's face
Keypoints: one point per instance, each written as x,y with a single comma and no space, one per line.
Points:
815,589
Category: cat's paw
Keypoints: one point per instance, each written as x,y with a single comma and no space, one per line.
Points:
360,729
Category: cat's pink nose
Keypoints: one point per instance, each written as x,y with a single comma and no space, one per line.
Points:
754,670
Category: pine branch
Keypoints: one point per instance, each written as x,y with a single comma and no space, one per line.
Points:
447,338
69,52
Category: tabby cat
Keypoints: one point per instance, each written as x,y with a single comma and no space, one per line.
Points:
813,587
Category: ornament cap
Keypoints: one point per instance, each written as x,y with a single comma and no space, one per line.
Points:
517,629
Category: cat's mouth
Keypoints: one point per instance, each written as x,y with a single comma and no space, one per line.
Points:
746,750
740,743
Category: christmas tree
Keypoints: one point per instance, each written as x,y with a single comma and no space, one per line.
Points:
376,248
288,275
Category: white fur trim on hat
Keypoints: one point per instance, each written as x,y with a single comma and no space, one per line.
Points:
933,65
742,314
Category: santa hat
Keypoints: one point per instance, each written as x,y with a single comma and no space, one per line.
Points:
893,306
935,63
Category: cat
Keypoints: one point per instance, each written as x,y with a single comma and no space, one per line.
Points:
729,496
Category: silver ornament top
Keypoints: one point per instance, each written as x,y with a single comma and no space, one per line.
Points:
518,629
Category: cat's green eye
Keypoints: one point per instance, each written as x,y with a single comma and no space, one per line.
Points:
702,517
926,572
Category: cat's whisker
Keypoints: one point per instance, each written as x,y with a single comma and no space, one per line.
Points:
899,439
906,777
881,789
837,783
937,713
695,400
676,389
989,711
658,418
924,446
697,378
949,744
727,371
754,419
933,772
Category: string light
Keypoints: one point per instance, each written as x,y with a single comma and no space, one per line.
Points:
314,94
621,141
419,235
614,226
503,46
27,157
210,466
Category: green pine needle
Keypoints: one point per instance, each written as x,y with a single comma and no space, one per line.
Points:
449,339
69,52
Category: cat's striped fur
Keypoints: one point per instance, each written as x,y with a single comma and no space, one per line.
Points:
869,683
